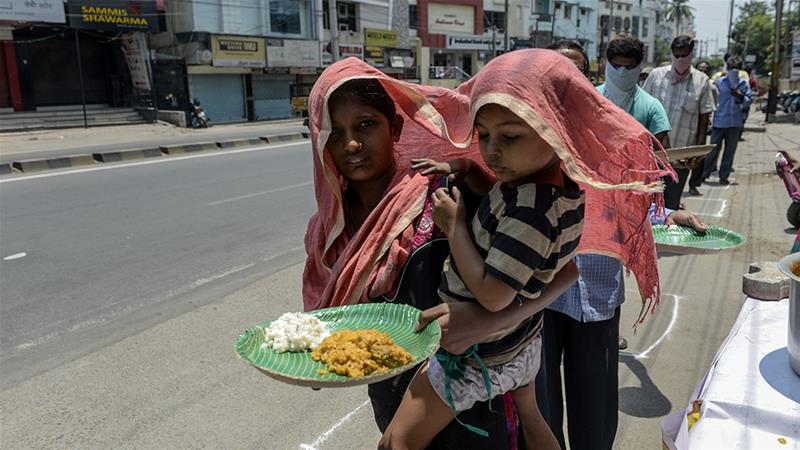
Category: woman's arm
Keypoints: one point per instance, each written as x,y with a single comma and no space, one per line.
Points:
465,324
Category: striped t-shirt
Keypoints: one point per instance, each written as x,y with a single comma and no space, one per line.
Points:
525,234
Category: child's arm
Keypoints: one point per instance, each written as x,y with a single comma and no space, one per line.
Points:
462,168
450,216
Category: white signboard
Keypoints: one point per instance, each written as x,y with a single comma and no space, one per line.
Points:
292,53
474,43
135,48
796,56
449,19
32,11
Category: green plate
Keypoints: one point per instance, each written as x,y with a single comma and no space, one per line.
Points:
299,369
679,239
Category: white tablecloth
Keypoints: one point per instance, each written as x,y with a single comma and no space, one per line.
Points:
750,395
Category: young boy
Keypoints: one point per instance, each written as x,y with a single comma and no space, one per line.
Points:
526,228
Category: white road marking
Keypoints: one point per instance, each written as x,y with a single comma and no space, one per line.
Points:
643,355
721,212
163,159
256,194
15,256
324,436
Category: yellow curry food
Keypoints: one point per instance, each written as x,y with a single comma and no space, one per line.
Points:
357,353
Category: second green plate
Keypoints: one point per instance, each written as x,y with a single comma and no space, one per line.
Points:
679,239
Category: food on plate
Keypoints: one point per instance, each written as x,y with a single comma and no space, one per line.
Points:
295,332
357,353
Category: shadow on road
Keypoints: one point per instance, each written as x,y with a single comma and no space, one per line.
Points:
645,400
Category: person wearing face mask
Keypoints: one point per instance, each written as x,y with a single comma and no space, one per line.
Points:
624,55
686,95
734,98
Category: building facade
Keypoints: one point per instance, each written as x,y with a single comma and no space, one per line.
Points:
577,21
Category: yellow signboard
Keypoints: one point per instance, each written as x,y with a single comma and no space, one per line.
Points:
237,51
376,37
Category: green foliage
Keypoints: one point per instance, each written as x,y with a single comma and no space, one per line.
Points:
662,51
753,34
677,11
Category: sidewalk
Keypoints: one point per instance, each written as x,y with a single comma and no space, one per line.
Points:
23,145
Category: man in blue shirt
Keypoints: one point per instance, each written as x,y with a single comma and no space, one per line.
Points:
734,99
582,326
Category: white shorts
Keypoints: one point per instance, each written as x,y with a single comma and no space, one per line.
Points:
471,389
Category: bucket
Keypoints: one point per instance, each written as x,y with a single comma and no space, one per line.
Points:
786,264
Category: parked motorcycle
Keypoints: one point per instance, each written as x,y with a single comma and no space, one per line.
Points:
197,115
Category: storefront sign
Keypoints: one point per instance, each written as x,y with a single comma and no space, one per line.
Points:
446,19
473,43
375,37
373,56
135,47
113,15
348,50
32,11
236,51
299,104
292,53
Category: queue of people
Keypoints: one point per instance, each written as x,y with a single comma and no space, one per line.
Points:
470,205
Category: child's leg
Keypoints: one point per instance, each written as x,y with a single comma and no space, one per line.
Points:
536,431
420,417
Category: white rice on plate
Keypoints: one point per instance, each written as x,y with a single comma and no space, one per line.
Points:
295,332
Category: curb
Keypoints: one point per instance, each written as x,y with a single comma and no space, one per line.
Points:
188,148
37,165
240,143
755,129
127,155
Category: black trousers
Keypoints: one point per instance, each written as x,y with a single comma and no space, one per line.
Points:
591,354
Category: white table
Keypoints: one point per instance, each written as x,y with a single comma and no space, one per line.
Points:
750,395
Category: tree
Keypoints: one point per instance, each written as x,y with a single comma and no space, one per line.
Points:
753,34
677,10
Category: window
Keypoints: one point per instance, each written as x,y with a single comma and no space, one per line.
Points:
627,7
583,11
345,13
604,24
635,27
542,7
494,19
619,7
557,6
412,17
627,24
617,23
644,27
568,12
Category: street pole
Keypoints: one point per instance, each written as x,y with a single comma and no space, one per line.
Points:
333,21
730,29
80,76
505,28
772,100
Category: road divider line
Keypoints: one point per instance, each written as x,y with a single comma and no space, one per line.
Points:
324,436
256,194
15,256
148,162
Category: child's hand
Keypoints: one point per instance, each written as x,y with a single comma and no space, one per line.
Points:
430,167
448,211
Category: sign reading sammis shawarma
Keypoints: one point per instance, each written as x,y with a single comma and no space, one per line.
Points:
113,15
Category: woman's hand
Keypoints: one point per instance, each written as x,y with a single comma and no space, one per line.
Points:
686,219
460,323
428,166
448,212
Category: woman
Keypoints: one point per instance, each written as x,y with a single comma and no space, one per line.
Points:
374,212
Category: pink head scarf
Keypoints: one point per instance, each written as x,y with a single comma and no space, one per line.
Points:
341,270
601,147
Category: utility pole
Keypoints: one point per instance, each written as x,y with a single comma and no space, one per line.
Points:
776,64
505,28
730,30
333,21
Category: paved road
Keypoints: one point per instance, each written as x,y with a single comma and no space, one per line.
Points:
112,252
162,239
55,143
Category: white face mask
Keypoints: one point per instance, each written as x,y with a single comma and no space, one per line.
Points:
623,78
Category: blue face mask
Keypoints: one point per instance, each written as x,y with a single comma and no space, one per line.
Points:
623,78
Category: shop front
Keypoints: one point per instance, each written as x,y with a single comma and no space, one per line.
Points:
282,91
